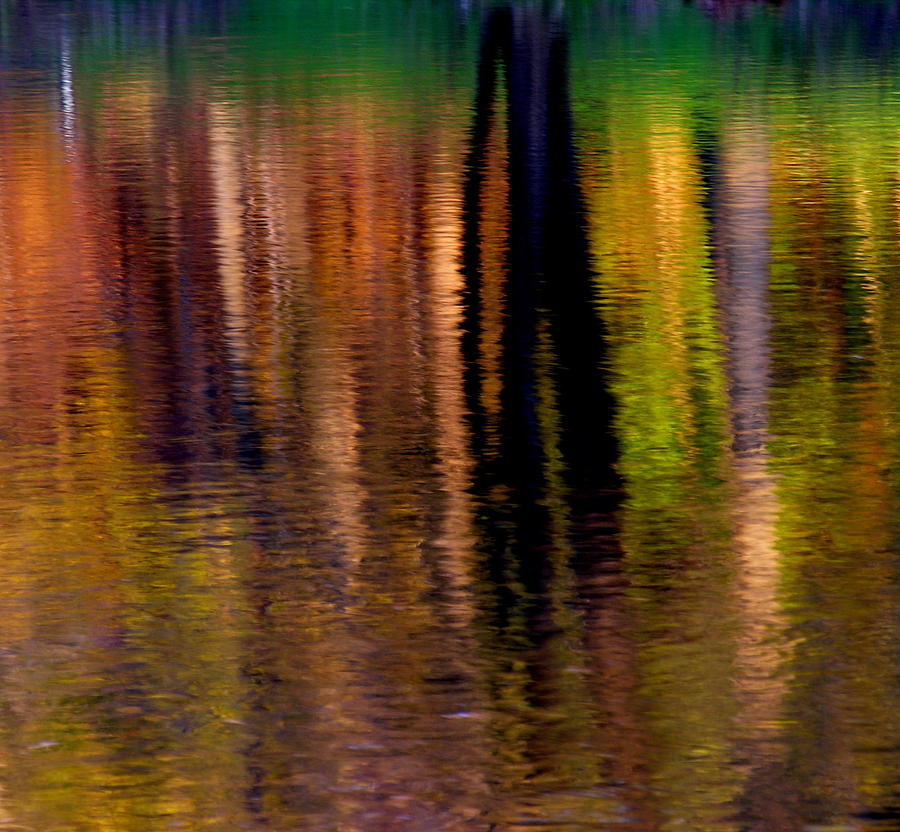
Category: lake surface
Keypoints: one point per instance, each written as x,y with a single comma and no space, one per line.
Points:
449,417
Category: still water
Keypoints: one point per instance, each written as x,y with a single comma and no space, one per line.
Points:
449,417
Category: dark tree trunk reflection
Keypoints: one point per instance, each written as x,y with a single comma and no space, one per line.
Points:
533,337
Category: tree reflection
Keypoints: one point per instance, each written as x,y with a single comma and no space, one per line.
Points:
533,341
540,411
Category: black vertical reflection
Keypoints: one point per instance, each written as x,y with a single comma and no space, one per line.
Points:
544,449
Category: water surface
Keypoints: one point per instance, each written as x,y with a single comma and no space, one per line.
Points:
432,416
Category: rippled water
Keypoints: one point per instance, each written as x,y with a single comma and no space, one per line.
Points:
432,416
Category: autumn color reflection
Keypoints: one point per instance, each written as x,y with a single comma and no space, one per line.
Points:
448,416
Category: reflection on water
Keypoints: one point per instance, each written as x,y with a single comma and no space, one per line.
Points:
449,416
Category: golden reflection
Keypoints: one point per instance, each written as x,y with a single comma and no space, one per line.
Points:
493,267
669,380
